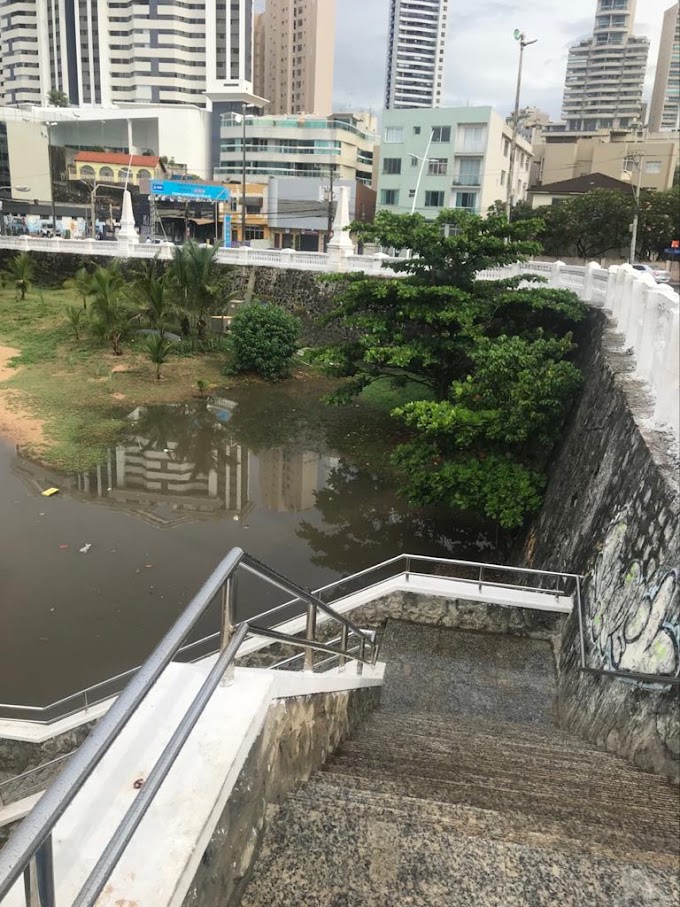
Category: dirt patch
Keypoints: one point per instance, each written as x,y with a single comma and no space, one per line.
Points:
16,423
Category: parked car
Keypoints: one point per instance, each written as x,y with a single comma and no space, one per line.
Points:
659,274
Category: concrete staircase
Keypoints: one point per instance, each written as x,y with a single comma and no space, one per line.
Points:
461,791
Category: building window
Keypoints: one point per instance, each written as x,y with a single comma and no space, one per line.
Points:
414,161
503,176
254,233
437,166
392,166
467,200
389,196
411,193
394,135
653,167
441,133
434,199
506,147
87,171
143,174
472,138
105,173
416,130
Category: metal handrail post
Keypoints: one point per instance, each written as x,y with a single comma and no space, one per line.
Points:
310,635
481,577
362,655
408,567
39,877
344,639
581,631
228,620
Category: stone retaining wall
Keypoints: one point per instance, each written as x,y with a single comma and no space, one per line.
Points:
298,735
611,512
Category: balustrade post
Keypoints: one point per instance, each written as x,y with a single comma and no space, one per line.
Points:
610,294
344,639
665,372
588,281
362,654
556,274
310,635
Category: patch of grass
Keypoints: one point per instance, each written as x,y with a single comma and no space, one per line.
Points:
384,395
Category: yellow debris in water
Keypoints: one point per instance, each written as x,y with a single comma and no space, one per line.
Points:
48,492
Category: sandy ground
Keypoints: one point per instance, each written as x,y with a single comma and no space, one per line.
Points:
16,424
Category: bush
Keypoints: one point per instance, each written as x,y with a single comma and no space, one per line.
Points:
264,339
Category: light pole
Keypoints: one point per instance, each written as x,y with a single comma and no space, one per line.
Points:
243,177
2,216
521,37
421,171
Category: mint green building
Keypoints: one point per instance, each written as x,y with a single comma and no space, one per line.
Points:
456,157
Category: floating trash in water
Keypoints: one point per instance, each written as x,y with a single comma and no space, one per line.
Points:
86,547
48,492
63,547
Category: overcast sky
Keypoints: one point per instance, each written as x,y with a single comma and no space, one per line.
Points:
481,55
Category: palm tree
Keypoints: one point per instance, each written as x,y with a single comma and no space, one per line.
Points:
159,348
112,316
74,316
81,282
195,276
158,306
20,270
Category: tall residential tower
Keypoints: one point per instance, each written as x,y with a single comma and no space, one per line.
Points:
294,51
664,112
606,72
415,53
103,52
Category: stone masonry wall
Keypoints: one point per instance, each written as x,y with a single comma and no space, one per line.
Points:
611,512
298,735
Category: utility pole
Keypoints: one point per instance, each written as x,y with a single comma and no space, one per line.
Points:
636,215
330,205
243,180
521,37
48,126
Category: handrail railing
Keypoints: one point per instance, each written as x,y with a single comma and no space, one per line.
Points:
29,850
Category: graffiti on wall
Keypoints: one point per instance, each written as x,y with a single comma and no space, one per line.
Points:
633,609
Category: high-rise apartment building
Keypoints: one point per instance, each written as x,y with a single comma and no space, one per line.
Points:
415,53
294,51
108,52
664,112
606,73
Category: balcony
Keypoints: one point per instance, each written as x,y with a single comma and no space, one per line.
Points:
462,179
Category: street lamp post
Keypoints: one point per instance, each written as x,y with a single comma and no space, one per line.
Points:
420,172
243,178
521,37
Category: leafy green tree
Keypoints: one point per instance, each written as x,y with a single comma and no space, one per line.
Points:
57,98
659,222
494,352
588,225
20,270
423,328
112,316
196,279
81,282
159,349
264,339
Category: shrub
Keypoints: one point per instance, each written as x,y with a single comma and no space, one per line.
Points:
263,339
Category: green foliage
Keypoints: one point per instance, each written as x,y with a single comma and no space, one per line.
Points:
111,313
489,359
159,349
263,339
57,98
74,316
202,386
197,282
659,222
20,271
151,290
81,282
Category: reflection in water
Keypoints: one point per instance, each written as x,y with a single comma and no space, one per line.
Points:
183,462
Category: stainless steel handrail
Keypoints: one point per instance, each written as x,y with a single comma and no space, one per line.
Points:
29,850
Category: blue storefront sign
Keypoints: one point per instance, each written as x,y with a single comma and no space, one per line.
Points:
197,192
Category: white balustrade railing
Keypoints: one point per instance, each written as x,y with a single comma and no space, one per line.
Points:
644,312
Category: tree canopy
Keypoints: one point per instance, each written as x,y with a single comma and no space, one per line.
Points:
494,354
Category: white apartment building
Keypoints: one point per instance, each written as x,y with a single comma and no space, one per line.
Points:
294,53
606,72
449,158
664,111
104,52
305,146
415,53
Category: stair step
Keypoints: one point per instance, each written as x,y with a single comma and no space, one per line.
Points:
576,778
574,837
322,857
489,794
